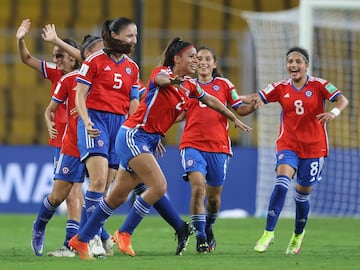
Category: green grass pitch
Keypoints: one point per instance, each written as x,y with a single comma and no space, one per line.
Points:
330,243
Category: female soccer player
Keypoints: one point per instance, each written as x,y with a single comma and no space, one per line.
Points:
163,206
205,155
63,64
106,93
166,98
302,144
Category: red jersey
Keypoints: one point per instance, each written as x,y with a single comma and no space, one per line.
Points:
200,118
162,105
52,73
300,130
110,82
65,92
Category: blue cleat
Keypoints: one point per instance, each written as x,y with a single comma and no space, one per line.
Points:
210,239
37,241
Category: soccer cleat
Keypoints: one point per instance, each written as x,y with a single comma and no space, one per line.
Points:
96,247
210,239
183,236
81,248
202,246
263,243
37,241
294,246
108,246
123,241
62,252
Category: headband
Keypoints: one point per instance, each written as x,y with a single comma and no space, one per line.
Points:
302,55
184,49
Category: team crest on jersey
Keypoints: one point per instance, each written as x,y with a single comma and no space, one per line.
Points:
216,88
100,143
128,70
190,162
65,170
308,93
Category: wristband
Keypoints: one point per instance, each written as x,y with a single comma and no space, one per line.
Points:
335,111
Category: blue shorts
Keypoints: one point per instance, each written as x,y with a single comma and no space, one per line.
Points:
131,142
212,165
70,169
103,145
308,170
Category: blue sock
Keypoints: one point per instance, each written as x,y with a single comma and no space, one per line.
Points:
168,213
83,216
277,201
302,210
101,213
46,212
137,212
72,228
210,219
164,208
199,221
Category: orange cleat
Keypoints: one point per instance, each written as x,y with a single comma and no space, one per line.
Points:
81,248
123,241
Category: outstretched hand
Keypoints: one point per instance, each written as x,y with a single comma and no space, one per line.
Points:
23,29
49,33
177,80
243,126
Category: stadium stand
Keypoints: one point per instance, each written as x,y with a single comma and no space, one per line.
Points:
203,23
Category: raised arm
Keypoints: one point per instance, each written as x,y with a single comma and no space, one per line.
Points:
24,53
216,105
49,34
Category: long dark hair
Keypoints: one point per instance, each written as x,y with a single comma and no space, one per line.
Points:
112,45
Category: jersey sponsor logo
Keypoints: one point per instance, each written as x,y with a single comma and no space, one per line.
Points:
287,95
216,88
234,95
84,69
331,88
268,89
107,68
308,93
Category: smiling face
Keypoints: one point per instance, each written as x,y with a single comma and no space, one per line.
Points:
185,63
296,66
206,64
63,60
